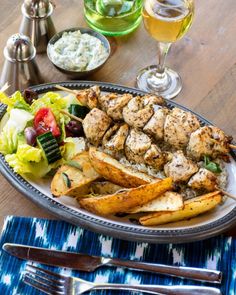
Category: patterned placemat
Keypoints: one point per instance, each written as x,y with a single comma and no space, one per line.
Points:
215,253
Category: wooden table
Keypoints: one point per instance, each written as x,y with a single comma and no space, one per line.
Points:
205,58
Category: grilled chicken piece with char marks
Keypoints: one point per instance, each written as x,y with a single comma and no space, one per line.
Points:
95,124
179,124
113,104
156,158
155,126
153,99
114,139
180,168
203,180
89,97
209,141
136,145
139,110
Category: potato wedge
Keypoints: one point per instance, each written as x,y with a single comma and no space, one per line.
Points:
84,161
124,200
169,201
74,179
192,208
115,172
104,188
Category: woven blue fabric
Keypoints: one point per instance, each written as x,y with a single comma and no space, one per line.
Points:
216,253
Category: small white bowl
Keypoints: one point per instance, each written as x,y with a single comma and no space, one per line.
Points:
80,74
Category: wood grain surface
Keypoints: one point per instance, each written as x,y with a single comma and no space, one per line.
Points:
205,59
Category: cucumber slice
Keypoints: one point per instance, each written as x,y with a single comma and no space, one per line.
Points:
78,110
49,145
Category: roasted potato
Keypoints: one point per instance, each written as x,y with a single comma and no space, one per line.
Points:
115,172
104,188
74,178
169,201
192,208
122,201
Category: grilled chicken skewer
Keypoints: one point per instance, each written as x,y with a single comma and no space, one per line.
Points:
162,125
138,148
178,124
178,128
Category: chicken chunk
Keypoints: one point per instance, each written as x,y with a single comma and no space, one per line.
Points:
114,139
95,124
136,145
105,99
136,114
155,157
179,124
153,99
113,104
155,126
209,141
89,97
203,180
180,168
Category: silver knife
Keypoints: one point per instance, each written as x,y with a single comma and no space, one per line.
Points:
89,263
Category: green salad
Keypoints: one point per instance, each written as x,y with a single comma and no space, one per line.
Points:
35,136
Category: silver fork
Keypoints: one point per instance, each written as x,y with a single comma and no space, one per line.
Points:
56,284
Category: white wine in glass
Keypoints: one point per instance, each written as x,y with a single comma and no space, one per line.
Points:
166,21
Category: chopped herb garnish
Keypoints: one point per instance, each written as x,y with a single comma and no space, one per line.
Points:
74,164
211,166
66,179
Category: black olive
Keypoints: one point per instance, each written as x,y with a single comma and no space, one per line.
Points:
30,95
74,129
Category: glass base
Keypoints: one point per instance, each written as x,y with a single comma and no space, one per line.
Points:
167,85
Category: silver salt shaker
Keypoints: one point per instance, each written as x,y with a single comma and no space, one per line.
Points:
37,22
20,69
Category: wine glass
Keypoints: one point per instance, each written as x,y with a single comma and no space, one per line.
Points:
166,21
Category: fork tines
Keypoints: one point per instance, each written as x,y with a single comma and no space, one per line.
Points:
44,280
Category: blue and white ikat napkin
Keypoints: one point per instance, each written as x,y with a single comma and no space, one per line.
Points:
215,253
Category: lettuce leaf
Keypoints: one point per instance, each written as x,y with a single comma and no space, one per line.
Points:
52,100
8,141
28,159
11,132
18,119
28,153
16,101
22,167
63,121
31,163
72,147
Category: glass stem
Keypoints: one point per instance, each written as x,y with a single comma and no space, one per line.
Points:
163,49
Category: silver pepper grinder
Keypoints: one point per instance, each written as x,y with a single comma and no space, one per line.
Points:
20,69
37,22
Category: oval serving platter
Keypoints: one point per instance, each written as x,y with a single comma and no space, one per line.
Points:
66,208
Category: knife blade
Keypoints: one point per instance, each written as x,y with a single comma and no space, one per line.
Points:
90,263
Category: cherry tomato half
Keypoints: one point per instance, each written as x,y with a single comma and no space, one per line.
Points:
45,121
